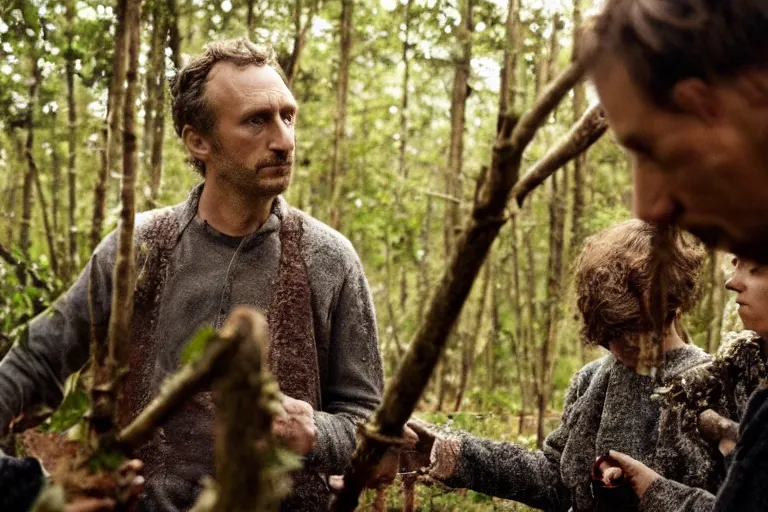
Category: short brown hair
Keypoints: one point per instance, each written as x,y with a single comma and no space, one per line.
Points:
614,277
665,41
188,102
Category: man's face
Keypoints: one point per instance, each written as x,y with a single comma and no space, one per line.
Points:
750,282
253,139
705,168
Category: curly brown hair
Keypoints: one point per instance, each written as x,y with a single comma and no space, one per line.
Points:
188,101
665,41
614,279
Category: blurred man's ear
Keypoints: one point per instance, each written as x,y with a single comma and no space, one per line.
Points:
197,145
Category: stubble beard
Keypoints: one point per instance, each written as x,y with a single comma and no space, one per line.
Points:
251,181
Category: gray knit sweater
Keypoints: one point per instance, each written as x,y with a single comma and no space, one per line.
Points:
607,406
212,273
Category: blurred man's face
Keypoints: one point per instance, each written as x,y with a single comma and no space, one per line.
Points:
704,167
750,283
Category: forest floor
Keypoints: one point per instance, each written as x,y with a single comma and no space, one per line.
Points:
439,498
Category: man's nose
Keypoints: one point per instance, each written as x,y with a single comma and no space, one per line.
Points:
652,201
283,138
734,284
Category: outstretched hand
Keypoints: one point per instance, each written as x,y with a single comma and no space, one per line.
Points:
130,485
386,470
639,476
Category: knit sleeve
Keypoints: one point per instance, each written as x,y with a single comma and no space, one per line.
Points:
513,472
355,377
669,496
56,343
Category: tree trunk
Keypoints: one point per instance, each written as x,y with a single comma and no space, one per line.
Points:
579,164
507,94
250,18
291,68
157,121
32,171
454,177
337,162
72,263
716,301
106,386
174,37
113,122
26,207
55,174
469,340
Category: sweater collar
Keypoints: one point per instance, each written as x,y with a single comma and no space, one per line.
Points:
187,212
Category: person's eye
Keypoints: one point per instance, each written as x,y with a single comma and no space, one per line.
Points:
289,119
757,269
256,120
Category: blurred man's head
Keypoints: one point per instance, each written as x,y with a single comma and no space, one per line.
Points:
685,87
750,282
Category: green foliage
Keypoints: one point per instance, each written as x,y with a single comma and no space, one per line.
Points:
195,347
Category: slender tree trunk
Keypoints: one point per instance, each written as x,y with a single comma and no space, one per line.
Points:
32,171
106,386
469,339
507,94
174,37
157,127
579,164
55,174
26,207
73,263
291,69
250,18
424,262
10,205
716,301
337,162
402,150
454,175
114,120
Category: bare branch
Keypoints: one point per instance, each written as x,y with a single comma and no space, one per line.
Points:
581,136
23,271
472,247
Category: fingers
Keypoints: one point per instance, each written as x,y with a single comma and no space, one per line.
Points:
336,483
409,436
626,463
91,505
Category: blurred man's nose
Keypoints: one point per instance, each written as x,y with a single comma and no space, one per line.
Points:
652,201
735,284
282,139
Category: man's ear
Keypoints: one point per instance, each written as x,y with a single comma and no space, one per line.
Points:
697,98
197,145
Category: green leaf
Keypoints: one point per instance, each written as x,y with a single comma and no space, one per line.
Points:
195,347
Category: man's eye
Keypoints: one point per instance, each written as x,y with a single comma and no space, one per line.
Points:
757,269
256,121
289,119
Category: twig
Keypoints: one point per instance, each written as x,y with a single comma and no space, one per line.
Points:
180,387
581,136
482,228
23,271
440,195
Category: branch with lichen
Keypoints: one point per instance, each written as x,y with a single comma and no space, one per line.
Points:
483,226
251,469
587,130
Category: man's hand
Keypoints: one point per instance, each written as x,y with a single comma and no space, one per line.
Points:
296,428
130,484
639,475
385,471
719,429
419,456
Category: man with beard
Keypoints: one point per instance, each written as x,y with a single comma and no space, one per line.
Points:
234,241
685,88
